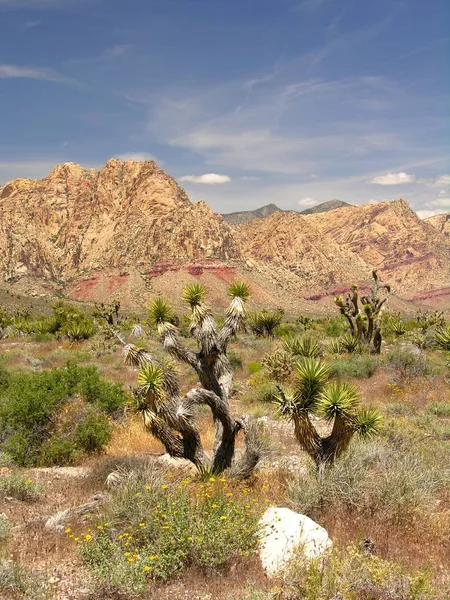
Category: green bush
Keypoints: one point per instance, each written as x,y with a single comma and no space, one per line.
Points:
266,392
20,487
57,450
155,530
31,409
253,367
93,432
360,366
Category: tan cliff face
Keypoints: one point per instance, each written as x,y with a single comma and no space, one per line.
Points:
129,228
75,220
441,223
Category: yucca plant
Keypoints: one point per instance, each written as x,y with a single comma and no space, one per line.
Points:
82,330
396,324
168,414
442,338
337,403
264,322
302,346
349,343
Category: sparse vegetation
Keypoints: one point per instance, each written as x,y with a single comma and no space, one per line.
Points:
392,488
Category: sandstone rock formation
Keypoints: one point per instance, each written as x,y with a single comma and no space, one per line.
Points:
130,231
77,220
237,218
441,223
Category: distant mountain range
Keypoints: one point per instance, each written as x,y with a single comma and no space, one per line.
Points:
129,231
238,218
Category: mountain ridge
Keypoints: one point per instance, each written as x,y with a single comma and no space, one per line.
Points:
130,230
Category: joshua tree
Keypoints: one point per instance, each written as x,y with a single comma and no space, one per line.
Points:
169,415
338,403
365,324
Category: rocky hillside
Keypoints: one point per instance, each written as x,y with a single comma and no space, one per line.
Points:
325,207
128,213
441,223
390,236
237,218
130,231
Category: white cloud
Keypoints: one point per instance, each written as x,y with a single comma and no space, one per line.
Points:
139,156
442,181
445,202
307,202
16,72
424,214
393,179
207,178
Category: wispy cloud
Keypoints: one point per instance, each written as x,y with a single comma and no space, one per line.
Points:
207,178
393,179
18,72
115,51
30,24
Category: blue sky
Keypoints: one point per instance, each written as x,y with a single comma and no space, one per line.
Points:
244,102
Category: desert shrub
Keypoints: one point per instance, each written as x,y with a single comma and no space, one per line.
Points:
154,530
253,367
266,392
354,574
360,366
93,432
20,487
4,378
408,364
19,583
235,359
31,406
57,450
334,327
380,478
5,527
438,409
279,365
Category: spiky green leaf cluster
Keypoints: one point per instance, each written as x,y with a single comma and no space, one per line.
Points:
338,399
442,338
302,346
151,378
239,289
368,422
160,311
194,294
311,376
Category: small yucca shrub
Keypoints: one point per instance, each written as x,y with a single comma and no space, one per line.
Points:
302,346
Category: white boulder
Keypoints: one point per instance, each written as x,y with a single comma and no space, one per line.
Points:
284,532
